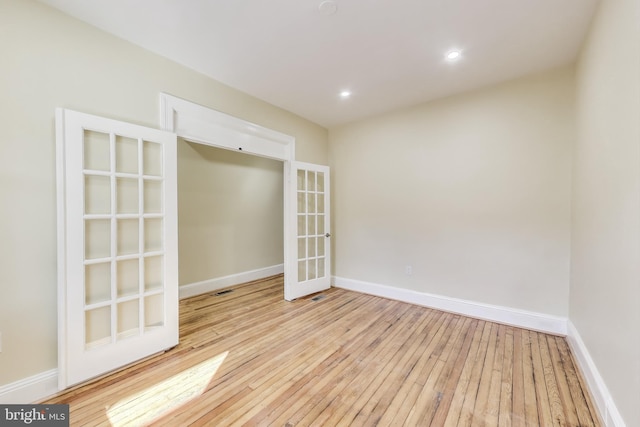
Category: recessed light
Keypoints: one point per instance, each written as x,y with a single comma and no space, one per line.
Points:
328,7
345,94
452,55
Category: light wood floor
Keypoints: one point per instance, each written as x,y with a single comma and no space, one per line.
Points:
250,358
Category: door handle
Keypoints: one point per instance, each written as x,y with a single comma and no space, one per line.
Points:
327,235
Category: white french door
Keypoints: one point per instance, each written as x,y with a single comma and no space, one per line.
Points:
117,244
310,254
307,256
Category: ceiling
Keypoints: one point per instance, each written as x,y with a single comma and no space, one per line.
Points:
390,54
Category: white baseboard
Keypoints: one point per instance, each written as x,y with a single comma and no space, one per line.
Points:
601,396
198,288
510,316
31,389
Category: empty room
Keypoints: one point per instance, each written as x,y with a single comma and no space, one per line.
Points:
338,212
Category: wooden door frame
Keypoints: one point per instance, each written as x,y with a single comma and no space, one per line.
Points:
203,125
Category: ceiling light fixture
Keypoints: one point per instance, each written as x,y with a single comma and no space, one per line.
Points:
345,94
328,7
452,55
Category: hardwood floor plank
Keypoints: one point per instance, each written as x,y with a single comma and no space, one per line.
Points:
531,415
558,415
482,398
449,389
492,410
432,392
323,382
292,404
403,348
518,418
506,386
359,385
374,410
467,414
568,405
407,394
363,391
270,363
540,384
582,402
455,409
248,357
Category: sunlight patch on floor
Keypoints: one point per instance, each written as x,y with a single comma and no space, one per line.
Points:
159,399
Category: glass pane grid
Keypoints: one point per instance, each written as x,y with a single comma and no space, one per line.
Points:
321,267
92,172
127,175
311,181
311,203
302,181
302,248
302,271
311,225
126,155
97,280
127,236
96,148
302,202
124,247
152,199
153,311
97,327
93,306
153,272
151,158
312,269
127,195
128,319
127,276
97,236
320,182
97,191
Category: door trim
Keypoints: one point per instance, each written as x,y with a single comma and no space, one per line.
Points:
206,126
61,197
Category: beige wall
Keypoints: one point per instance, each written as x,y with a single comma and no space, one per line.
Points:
230,212
472,191
605,262
50,60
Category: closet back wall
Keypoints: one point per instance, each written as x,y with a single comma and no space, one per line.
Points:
230,212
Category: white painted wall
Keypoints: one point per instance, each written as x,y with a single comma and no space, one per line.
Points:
472,191
50,60
605,261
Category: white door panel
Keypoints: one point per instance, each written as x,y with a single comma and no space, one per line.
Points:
117,244
310,253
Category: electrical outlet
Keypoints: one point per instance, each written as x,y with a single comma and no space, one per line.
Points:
408,270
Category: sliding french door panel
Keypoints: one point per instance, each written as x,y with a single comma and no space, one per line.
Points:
118,286
311,250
